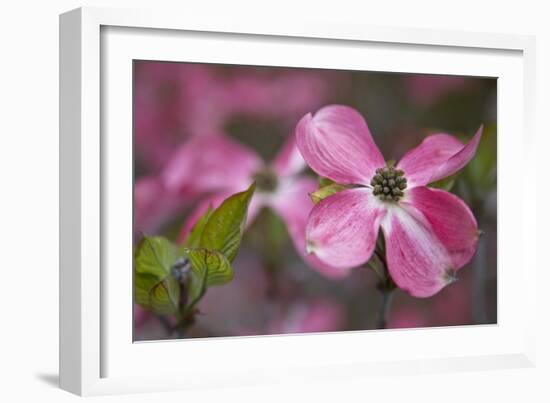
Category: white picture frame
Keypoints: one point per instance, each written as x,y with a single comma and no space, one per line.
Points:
96,354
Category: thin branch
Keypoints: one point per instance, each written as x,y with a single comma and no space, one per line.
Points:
165,324
387,296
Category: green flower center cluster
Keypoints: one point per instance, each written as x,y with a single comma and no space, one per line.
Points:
388,183
266,180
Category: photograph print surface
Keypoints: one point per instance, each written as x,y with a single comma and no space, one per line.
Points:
275,200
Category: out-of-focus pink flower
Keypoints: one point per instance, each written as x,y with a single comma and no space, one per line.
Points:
239,307
157,120
453,306
427,89
286,95
153,205
213,98
224,167
174,101
429,233
308,317
206,164
406,318
140,316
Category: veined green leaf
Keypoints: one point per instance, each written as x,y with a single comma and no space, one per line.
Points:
207,268
155,256
217,267
155,288
143,283
224,229
165,296
326,191
194,237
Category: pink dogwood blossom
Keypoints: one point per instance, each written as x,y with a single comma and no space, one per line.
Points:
175,101
220,166
429,233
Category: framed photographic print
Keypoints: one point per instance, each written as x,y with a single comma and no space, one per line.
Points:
262,201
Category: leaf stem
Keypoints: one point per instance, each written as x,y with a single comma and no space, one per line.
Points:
387,296
165,324
386,286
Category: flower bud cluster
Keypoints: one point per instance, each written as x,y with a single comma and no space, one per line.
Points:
266,180
389,183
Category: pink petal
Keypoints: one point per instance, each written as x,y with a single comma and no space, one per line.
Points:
289,161
437,157
293,204
342,229
323,268
210,163
450,218
417,261
337,144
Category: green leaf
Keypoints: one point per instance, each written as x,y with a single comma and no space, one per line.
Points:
217,267
155,288
143,284
155,256
161,297
374,265
224,229
196,285
194,237
208,268
325,182
326,191
445,183
481,170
